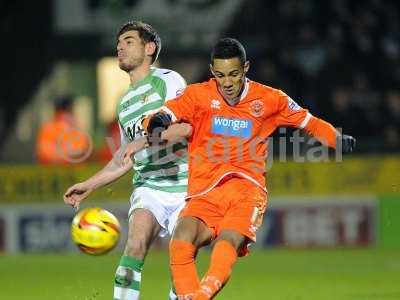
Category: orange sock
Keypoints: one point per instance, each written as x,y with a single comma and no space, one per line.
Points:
223,258
183,268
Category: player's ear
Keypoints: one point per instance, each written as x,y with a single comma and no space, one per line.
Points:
212,70
246,66
150,48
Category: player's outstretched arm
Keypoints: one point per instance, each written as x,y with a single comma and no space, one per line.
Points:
329,136
111,172
161,128
172,134
177,132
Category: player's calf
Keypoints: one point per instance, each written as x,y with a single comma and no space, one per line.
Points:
223,257
183,268
137,248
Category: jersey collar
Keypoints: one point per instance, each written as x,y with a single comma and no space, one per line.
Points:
245,89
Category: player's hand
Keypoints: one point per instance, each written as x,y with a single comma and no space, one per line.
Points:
131,149
348,143
76,193
160,121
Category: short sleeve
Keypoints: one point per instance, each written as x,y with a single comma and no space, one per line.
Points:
183,107
175,85
289,113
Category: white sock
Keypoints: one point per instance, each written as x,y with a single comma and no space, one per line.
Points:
172,295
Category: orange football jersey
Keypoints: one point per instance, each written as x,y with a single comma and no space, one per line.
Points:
232,140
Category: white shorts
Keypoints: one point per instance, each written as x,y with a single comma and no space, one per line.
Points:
163,205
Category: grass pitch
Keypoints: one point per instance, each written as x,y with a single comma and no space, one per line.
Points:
356,274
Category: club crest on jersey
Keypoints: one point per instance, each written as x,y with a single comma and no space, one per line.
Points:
216,104
257,108
145,98
231,127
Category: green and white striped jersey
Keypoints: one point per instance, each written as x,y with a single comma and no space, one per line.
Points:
159,167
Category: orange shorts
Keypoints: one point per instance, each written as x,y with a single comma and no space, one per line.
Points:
235,203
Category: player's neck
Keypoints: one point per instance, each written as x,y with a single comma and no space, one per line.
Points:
233,101
236,100
139,73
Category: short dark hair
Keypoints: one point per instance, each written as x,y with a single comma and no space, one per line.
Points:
228,48
146,33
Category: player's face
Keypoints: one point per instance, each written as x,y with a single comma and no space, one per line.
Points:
230,75
130,50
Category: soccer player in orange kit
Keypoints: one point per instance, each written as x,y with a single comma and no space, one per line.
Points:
229,120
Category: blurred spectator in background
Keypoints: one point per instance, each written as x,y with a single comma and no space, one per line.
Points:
341,58
366,99
344,111
59,141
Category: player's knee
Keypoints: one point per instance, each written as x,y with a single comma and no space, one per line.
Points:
182,234
235,239
191,230
137,248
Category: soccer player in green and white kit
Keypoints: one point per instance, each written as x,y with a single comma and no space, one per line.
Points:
160,178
